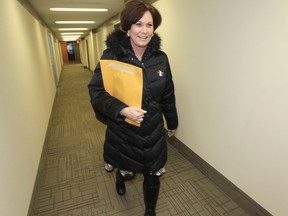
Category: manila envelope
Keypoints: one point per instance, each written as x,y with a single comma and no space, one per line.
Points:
124,82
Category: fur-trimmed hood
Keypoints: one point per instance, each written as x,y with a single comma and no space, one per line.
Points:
120,43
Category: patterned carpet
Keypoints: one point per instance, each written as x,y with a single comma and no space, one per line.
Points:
72,180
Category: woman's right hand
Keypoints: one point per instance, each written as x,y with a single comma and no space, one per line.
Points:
133,113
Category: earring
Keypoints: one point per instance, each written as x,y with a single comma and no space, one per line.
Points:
128,33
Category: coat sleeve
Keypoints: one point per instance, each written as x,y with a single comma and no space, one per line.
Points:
168,101
101,100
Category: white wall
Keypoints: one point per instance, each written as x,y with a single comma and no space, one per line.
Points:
96,43
27,93
97,40
229,60
102,36
83,52
91,51
58,57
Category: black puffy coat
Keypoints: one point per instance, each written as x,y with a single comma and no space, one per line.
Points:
140,149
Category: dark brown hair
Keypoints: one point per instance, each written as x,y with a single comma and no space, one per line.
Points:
133,12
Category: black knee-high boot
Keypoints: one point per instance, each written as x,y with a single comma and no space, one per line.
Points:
150,199
120,183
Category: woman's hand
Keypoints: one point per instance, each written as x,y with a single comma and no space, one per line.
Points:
133,113
171,133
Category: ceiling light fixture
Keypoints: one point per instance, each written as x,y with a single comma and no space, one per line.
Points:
69,39
72,29
70,36
71,33
80,9
74,22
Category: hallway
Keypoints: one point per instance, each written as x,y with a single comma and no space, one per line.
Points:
72,180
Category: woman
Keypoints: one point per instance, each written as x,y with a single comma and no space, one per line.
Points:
127,147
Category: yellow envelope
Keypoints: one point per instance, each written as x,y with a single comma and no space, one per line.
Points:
124,82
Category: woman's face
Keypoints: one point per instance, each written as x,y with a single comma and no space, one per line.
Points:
142,31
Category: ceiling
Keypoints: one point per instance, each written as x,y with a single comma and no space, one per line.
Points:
41,10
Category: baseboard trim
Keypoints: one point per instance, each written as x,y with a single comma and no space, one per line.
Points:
41,167
242,199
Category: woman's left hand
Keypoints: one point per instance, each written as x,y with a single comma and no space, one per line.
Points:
171,133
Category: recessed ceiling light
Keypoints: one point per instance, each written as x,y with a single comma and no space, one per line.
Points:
71,33
70,36
80,9
74,22
69,39
72,29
